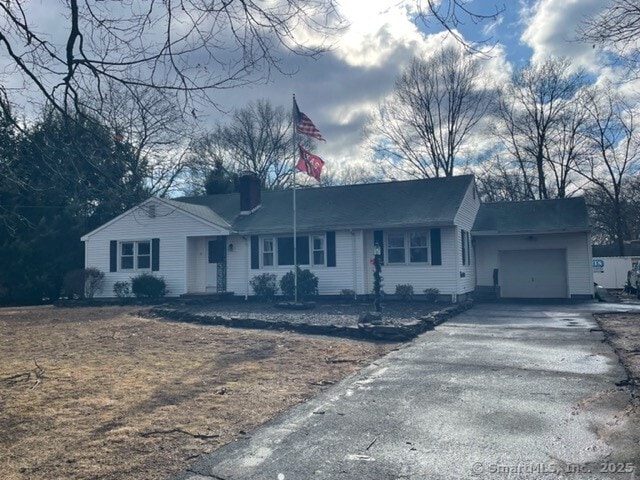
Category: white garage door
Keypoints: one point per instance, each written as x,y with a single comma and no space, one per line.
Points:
533,273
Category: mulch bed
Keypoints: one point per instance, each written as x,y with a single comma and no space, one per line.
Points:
339,314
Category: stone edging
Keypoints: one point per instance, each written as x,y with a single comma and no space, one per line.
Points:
367,331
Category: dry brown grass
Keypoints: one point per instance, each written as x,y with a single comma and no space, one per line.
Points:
115,396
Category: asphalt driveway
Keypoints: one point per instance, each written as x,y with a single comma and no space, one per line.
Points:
501,391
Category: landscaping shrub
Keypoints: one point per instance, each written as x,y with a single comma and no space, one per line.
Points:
122,289
405,291
264,286
431,294
347,294
307,284
148,285
83,282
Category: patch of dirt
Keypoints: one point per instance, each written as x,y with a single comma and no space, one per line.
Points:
622,331
102,393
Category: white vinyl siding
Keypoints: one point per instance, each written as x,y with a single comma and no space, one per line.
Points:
419,275
238,271
331,280
464,219
172,226
578,255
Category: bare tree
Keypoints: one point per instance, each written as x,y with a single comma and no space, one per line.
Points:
614,159
539,124
257,138
435,105
155,130
499,180
351,174
186,48
452,13
616,28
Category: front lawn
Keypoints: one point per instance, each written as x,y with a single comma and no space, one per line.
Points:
103,393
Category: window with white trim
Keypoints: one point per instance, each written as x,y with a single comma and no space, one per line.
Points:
278,251
135,255
267,252
466,247
418,249
407,247
318,244
395,248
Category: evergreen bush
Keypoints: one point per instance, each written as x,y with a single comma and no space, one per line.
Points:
147,285
307,284
264,286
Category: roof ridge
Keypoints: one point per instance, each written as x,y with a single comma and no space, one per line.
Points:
330,187
511,202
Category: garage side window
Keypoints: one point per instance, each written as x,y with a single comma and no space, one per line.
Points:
465,247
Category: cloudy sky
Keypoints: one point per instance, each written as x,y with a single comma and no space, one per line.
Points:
340,90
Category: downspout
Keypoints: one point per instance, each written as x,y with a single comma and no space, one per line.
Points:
458,243
246,283
355,263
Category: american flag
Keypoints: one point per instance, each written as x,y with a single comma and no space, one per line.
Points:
310,163
304,125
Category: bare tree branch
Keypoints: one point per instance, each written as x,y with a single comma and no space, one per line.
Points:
434,107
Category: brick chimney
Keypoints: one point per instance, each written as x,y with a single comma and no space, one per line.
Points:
249,193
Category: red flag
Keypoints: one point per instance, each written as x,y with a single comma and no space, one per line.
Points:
310,163
304,124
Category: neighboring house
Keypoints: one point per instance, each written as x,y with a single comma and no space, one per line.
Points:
433,233
610,269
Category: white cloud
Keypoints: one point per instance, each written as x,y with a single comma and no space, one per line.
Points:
376,31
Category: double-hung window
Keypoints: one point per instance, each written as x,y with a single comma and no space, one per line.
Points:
465,247
135,255
318,249
395,248
267,252
407,247
418,250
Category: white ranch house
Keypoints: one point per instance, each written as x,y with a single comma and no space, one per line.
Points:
434,233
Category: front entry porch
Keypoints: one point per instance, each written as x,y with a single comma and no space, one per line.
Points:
206,264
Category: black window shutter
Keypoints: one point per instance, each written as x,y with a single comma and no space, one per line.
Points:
331,249
155,254
378,237
255,252
113,256
436,248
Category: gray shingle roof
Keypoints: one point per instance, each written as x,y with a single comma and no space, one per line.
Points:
200,211
553,216
432,202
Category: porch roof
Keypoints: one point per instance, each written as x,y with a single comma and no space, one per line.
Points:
430,202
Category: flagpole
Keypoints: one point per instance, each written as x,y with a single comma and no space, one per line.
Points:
295,224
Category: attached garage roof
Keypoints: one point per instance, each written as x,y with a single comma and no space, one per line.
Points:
384,205
540,216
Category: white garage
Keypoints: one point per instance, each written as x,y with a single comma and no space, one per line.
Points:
537,249
533,273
